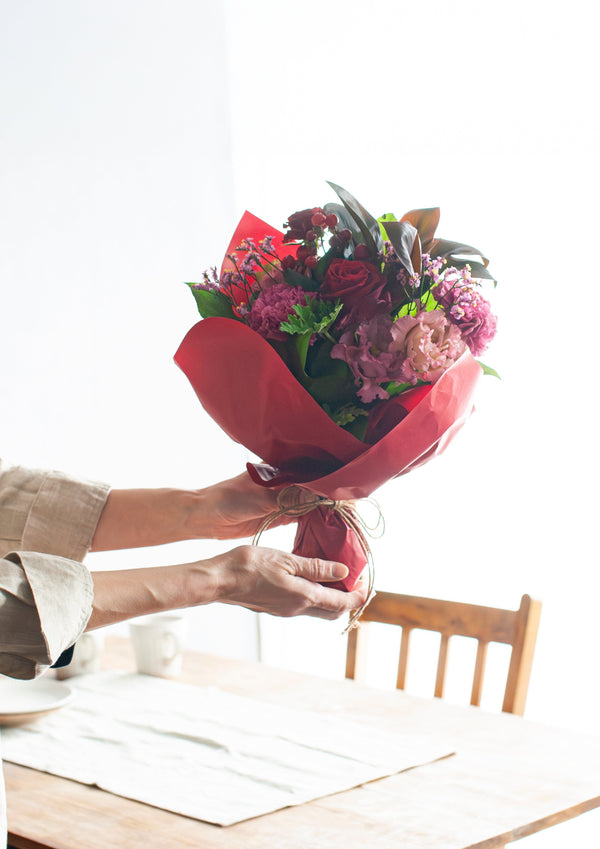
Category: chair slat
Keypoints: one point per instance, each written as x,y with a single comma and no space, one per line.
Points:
467,620
480,661
440,678
403,662
517,628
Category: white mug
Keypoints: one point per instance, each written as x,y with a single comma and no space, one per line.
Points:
86,655
157,643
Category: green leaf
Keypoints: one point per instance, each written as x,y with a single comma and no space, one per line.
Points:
358,427
398,388
367,225
426,222
409,308
489,370
324,263
337,387
389,216
212,303
345,220
478,269
314,317
294,278
297,348
334,382
405,241
346,414
454,253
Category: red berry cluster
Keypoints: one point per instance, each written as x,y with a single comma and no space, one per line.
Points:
308,226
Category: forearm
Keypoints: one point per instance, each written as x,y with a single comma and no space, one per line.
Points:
261,579
136,518
137,592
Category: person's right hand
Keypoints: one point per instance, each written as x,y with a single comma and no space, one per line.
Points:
282,584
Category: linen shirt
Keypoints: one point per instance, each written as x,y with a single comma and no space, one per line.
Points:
47,523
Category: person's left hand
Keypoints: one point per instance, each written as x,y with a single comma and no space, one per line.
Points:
236,508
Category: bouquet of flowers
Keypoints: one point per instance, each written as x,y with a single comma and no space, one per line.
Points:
342,353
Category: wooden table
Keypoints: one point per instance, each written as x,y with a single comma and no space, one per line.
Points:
509,778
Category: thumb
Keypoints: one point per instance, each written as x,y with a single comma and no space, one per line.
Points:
314,569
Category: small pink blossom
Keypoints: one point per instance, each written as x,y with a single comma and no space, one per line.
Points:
428,343
479,331
466,307
273,306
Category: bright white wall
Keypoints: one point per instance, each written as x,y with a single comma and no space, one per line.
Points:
487,112
134,135
116,186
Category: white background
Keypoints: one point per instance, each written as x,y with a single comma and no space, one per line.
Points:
134,135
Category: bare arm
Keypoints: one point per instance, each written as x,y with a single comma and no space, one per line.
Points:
135,518
261,579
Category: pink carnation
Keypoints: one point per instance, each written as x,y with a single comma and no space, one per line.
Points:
467,309
273,306
428,343
366,352
478,327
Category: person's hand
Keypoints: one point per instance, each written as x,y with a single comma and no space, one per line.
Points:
236,508
270,581
260,579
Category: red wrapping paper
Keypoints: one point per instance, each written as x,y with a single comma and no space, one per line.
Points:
251,227
248,390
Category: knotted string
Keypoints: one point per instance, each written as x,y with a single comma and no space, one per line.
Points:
292,501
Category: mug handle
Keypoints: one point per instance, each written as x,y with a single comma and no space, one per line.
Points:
170,648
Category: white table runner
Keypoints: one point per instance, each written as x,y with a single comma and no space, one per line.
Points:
203,752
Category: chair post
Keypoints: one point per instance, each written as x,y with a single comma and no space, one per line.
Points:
356,652
403,661
521,660
440,678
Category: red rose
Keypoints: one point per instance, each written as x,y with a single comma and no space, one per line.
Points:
358,285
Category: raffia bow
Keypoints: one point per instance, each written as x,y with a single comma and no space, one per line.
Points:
292,501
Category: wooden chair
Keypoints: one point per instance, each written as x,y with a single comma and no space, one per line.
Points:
517,628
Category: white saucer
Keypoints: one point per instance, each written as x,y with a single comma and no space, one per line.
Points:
24,701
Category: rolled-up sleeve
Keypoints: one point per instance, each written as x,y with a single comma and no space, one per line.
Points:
47,523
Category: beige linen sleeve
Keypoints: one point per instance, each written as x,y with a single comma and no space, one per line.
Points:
47,523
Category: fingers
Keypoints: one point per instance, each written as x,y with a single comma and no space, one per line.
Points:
331,604
314,569
318,600
284,584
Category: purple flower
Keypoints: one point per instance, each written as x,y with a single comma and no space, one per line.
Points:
266,245
210,281
273,306
366,352
466,307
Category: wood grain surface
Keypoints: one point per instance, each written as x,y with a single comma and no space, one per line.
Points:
509,778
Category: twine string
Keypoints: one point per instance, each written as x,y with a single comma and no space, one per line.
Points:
292,501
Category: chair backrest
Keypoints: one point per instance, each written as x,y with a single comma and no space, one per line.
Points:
517,628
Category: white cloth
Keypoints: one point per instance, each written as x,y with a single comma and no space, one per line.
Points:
206,753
